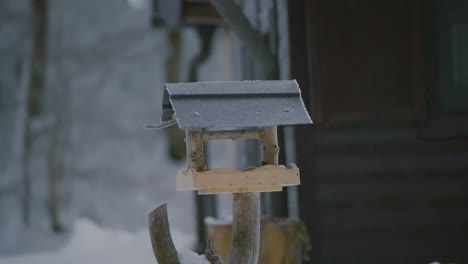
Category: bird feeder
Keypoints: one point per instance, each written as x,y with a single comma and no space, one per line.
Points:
235,110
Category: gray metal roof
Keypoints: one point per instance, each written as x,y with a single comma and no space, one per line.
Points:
234,104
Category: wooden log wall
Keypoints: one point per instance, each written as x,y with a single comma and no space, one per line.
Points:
368,196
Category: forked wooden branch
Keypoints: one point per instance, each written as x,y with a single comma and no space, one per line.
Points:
161,240
245,244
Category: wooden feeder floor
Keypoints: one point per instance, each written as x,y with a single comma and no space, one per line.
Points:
268,178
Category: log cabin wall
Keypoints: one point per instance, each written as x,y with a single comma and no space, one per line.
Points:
384,171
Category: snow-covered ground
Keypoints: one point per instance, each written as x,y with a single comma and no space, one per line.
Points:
111,64
94,244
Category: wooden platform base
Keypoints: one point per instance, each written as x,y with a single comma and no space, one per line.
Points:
268,178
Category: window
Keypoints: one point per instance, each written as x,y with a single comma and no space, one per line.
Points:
453,55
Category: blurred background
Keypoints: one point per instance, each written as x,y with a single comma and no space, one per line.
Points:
78,172
384,169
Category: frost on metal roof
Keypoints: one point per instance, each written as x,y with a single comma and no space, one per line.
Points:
234,104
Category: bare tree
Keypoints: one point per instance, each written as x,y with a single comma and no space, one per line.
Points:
36,93
14,81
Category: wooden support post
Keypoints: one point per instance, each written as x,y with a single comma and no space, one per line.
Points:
245,243
232,134
270,148
161,240
194,143
246,210
205,205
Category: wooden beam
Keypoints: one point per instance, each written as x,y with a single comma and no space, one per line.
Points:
268,188
232,134
268,175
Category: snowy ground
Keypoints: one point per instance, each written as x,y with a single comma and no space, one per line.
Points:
93,244
112,63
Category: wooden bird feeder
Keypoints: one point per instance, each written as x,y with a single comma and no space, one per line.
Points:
237,110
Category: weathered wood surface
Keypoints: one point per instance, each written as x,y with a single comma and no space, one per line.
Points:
278,245
246,210
161,240
270,148
211,256
232,134
206,205
268,175
246,229
194,145
241,189
367,55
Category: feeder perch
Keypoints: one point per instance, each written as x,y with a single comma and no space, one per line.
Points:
233,107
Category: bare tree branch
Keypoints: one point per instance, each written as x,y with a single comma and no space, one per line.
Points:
161,239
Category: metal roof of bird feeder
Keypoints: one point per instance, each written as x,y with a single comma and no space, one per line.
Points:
234,104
